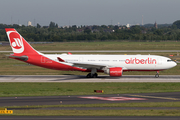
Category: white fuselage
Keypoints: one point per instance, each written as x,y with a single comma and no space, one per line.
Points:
127,62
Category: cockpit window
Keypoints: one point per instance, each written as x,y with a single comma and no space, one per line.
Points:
169,60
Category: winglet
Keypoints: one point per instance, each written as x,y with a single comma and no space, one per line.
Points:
69,53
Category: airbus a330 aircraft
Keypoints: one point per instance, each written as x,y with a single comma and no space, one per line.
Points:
114,65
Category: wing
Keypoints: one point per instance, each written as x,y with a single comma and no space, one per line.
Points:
87,65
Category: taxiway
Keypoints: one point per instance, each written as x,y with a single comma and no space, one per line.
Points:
90,99
80,78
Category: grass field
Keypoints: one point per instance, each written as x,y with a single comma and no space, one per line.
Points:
55,89
128,112
98,112
111,46
114,45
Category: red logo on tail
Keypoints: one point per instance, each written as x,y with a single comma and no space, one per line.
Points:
16,42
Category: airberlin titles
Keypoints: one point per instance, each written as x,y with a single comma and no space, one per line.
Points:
141,61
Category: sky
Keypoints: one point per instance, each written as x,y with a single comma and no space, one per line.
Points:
89,12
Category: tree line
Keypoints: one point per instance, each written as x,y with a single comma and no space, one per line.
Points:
53,33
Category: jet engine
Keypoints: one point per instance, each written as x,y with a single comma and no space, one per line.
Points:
114,71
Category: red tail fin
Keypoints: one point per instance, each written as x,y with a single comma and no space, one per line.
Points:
18,44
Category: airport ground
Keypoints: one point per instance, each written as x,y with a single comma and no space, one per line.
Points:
161,95
63,98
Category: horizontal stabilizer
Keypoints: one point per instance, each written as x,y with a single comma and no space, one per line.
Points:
24,58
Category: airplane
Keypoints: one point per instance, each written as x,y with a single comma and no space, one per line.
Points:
114,65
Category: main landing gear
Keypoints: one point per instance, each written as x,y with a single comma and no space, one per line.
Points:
157,74
93,74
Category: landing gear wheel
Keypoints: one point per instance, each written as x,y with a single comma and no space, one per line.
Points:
91,76
94,75
88,75
157,75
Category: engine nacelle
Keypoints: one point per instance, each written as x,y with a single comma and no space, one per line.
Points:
114,71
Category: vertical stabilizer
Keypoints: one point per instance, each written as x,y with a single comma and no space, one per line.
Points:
18,44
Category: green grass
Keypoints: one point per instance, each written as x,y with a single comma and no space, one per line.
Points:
110,46
129,104
55,89
152,112
114,45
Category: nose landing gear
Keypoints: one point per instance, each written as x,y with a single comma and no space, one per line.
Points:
157,74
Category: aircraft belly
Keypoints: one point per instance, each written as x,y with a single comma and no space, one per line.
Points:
141,67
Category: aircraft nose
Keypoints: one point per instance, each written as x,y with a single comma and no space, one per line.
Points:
174,64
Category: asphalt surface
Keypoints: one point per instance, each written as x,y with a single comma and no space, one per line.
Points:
81,78
119,98
90,99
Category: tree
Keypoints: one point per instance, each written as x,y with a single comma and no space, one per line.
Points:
116,27
104,26
74,27
53,25
56,25
136,29
87,30
158,32
176,24
38,25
